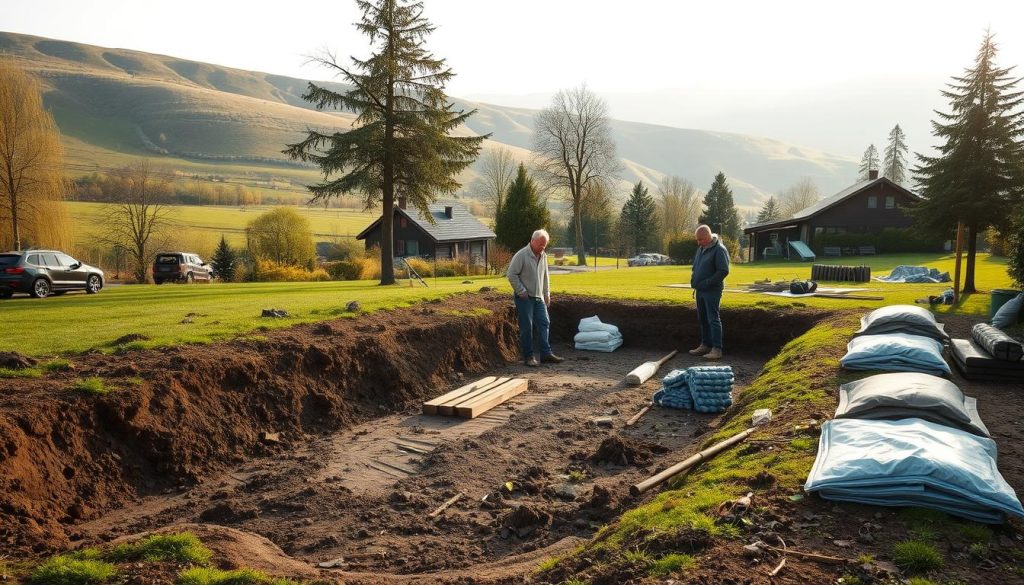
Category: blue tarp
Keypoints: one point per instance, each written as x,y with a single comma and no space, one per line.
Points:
895,352
904,273
912,462
701,388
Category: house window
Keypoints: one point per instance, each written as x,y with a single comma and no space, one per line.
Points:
444,251
412,248
399,247
890,202
872,202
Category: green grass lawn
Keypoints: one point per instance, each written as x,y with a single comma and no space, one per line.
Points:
77,322
227,220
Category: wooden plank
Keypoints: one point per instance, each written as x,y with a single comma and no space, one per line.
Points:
430,444
475,408
448,408
430,407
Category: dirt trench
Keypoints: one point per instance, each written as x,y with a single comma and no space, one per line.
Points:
354,470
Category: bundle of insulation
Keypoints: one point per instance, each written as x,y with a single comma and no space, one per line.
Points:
597,336
895,352
711,387
674,391
701,388
912,462
902,319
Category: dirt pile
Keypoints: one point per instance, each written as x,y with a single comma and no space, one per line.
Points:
625,450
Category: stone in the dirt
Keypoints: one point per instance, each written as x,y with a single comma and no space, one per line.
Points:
353,307
487,289
13,360
567,491
267,437
274,313
604,421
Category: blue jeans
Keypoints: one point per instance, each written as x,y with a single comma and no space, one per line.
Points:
710,316
533,312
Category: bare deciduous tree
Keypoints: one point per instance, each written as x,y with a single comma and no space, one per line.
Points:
800,196
31,164
679,207
497,171
138,217
575,150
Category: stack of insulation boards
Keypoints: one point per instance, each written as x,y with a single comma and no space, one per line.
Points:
472,400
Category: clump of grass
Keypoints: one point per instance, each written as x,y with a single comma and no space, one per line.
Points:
916,556
849,579
921,581
637,558
184,548
923,533
91,385
65,570
671,563
203,576
58,365
547,564
803,443
865,558
577,476
978,550
20,373
974,532
574,582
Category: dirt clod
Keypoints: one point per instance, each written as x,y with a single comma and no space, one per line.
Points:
624,450
13,360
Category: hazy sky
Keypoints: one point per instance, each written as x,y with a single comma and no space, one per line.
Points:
722,62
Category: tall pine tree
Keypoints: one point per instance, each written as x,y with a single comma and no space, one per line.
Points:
895,164
400,142
769,211
521,214
868,163
978,175
720,213
638,222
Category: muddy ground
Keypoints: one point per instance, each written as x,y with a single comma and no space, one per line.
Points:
307,448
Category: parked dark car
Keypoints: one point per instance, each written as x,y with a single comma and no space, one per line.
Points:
180,267
42,272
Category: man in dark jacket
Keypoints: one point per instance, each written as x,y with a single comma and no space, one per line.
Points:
710,267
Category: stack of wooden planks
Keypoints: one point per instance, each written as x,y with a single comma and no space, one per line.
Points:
472,400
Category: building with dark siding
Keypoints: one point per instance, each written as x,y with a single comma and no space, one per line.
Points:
454,233
867,207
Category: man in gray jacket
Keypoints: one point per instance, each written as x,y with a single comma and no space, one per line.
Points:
710,267
528,273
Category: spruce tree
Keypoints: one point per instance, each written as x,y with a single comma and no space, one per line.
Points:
868,163
638,223
224,259
895,164
400,142
769,211
720,213
978,175
521,214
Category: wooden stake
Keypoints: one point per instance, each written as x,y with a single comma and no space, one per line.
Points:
445,505
656,479
637,416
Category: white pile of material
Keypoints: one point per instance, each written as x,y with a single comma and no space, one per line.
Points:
597,336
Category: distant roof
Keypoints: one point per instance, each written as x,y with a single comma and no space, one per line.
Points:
461,226
822,205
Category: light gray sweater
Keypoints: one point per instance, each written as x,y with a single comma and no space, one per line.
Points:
529,273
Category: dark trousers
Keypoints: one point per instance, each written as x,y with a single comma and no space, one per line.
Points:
533,313
710,316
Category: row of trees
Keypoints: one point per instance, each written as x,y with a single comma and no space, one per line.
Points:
102,187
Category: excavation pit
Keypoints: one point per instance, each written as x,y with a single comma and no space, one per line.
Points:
354,471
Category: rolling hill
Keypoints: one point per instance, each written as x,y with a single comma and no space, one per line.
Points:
115,104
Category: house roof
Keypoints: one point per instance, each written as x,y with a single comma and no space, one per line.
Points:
820,206
461,226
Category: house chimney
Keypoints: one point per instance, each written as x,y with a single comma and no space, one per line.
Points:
401,202
448,211
872,174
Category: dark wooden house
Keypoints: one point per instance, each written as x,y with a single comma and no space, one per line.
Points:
454,233
867,207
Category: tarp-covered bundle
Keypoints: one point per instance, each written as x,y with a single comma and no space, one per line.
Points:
896,352
902,319
1000,345
597,336
912,462
915,274
976,364
674,391
910,395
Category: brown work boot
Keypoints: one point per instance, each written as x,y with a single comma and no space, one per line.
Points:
714,354
552,359
531,361
700,350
